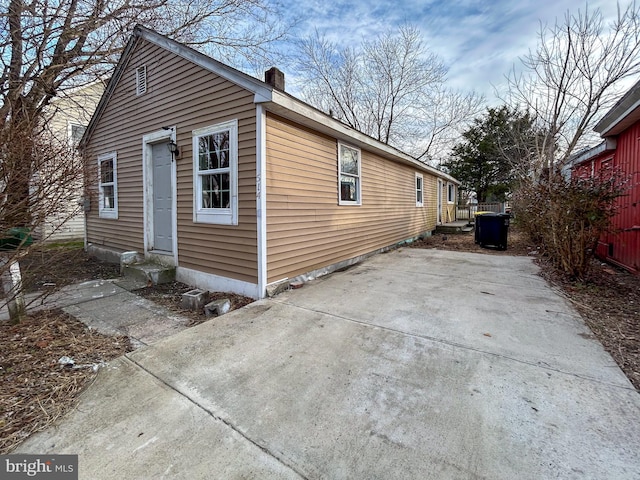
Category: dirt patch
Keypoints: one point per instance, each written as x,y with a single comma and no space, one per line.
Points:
50,268
517,244
608,300
169,295
37,386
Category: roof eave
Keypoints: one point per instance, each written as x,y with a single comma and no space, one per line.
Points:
108,91
274,100
261,91
302,113
606,146
622,115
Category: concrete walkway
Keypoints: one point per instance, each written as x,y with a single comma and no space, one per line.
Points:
109,307
417,364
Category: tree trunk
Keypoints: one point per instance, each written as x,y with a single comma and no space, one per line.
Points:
17,170
12,286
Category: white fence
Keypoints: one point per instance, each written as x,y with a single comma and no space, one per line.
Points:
467,212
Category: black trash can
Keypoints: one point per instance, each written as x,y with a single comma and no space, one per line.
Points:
492,230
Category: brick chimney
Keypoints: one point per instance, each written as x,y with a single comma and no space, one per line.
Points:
275,78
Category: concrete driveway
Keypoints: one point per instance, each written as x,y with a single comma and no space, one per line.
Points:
418,364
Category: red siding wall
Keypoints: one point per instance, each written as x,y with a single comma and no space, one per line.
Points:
622,246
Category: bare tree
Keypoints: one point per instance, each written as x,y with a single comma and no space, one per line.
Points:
391,88
47,46
52,193
442,120
575,73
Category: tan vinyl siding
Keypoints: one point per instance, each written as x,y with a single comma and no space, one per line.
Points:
307,229
65,226
72,107
185,95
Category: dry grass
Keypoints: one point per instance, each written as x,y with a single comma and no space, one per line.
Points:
517,244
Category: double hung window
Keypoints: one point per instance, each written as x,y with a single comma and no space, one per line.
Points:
108,186
215,173
348,175
419,190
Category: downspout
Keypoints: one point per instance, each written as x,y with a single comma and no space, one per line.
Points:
261,198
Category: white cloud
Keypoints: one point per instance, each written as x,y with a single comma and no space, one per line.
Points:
479,40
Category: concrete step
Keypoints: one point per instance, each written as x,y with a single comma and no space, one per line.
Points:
150,273
458,227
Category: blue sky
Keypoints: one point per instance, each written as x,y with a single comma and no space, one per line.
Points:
480,41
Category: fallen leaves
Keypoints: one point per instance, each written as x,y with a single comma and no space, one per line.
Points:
36,388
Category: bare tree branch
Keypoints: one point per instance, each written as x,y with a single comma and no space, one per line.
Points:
389,88
573,76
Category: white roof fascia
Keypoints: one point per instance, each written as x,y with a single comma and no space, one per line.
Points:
110,87
624,107
614,123
305,114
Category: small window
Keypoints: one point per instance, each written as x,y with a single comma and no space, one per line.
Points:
141,80
348,175
451,193
419,190
75,133
108,186
605,172
215,166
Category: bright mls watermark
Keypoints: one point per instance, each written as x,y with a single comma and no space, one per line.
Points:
50,467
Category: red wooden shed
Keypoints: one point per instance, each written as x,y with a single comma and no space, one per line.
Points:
620,129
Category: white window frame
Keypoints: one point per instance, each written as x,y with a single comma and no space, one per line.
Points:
358,177
419,198
108,212
221,216
451,193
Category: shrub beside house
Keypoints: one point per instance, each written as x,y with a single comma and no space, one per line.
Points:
618,152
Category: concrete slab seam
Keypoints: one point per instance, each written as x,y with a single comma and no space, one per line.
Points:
448,275
87,320
460,345
220,419
88,300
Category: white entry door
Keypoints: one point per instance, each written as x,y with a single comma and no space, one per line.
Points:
162,192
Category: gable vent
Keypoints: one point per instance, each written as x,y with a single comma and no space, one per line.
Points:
141,80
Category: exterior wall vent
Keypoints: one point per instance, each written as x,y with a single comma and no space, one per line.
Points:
141,80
